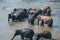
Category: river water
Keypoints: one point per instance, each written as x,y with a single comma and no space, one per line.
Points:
7,30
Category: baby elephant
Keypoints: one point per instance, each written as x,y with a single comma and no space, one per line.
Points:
45,34
27,33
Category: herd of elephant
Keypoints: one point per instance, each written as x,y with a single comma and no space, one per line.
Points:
43,16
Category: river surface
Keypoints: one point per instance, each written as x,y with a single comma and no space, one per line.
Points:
7,30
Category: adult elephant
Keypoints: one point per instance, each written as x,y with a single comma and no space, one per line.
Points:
27,33
45,20
18,14
47,11
45,35
31,13
15,15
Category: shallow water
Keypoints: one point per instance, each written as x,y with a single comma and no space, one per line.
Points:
7,30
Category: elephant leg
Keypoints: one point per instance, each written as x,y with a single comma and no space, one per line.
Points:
12,19
42,23
50,23
29,20
22,37
13,36
38,22
9,16
8,19
16,33
32,21
31,38
37,38
20,18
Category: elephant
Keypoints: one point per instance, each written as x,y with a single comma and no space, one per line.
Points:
31,13
18,14
44,34
45,20
13,16
31,20
26,32
47,11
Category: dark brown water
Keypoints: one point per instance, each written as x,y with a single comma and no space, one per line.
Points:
7,30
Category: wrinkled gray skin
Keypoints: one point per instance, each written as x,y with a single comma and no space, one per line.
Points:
45,34
27,33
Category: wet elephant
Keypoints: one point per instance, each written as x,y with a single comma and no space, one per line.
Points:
45,35
27,33
18,14
31,19
45,20
13,16
47,11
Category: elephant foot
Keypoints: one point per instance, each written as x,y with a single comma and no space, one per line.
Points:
31,38
37,39
50,25
22,38
42,23
12,20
